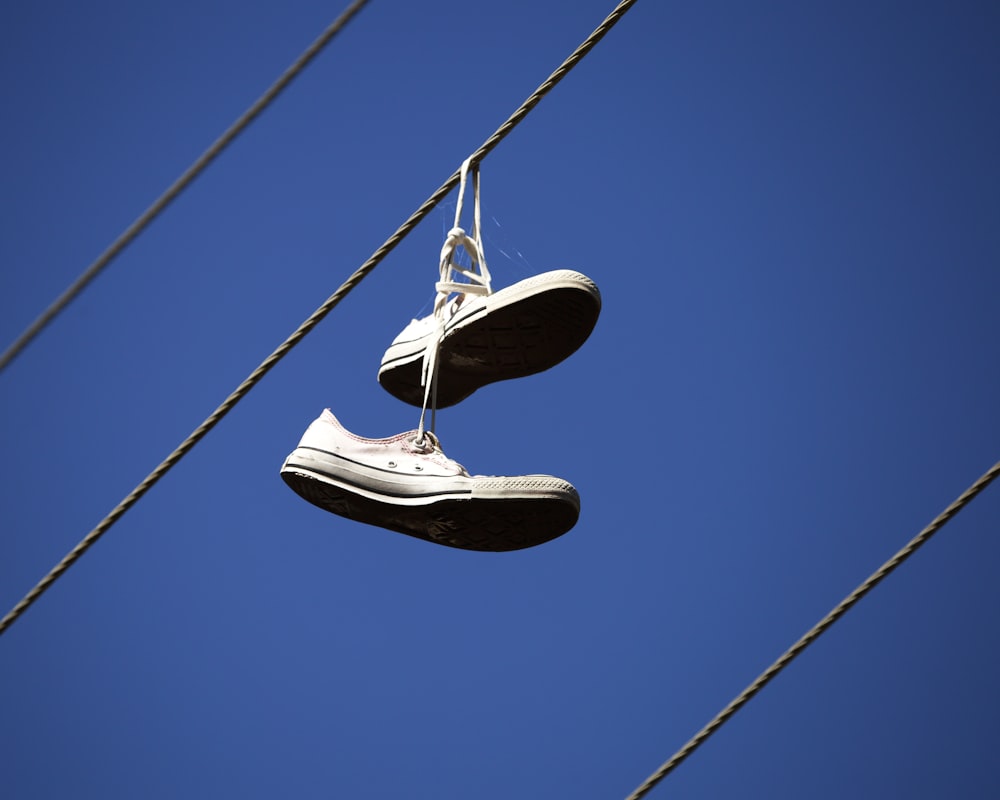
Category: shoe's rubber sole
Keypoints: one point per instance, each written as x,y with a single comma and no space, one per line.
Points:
493,524
522,330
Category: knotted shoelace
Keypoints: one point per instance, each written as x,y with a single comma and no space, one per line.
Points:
477,282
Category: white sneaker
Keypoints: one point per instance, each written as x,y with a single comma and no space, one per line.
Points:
415,489
518,331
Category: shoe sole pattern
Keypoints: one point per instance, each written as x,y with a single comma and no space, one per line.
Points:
514,339
493,524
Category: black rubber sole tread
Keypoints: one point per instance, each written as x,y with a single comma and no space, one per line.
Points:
499,525
523,339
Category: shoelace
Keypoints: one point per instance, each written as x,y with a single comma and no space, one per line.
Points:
427,444
478,284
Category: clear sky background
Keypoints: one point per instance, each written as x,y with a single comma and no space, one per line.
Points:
791,210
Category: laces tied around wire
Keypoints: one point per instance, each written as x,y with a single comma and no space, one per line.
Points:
476,282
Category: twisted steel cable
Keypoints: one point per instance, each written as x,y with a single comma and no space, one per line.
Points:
179,185
744,697
315,318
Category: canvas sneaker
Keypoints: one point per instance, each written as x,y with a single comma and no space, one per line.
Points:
406,483
517,331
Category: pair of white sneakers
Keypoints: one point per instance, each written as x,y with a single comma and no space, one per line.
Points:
475,337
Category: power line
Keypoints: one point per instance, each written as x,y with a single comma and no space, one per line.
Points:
315,318
179,185
736,704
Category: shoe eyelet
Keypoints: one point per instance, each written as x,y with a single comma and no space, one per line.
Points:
392,465
422,445
418,467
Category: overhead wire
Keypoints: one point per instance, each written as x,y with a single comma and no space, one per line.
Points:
315,318
179,185
813,633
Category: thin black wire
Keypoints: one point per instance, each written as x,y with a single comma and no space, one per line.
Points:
314,319
179,185
814,633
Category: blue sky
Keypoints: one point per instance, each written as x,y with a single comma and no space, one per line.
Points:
791,210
